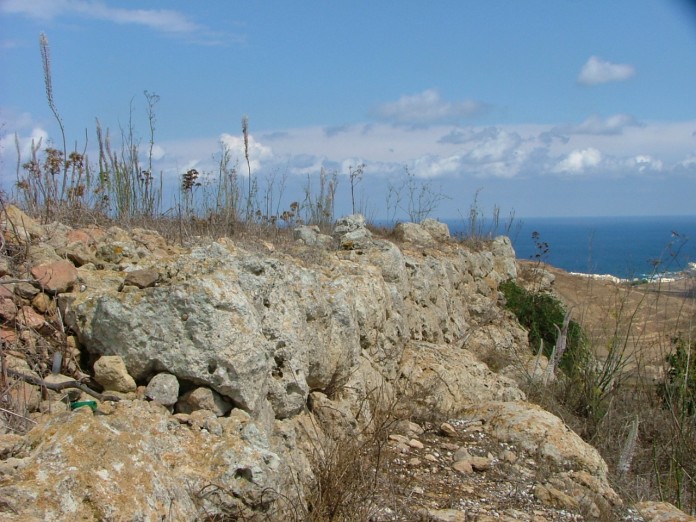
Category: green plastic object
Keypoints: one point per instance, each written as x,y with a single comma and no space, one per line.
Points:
91,404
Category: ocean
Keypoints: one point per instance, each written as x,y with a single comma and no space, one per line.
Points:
625,247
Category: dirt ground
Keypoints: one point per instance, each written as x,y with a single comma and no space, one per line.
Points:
642,318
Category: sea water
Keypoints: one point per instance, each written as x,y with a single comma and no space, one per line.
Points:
625,247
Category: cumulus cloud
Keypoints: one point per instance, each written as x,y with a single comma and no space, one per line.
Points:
644,162
579,161
258,153
426,108
596,71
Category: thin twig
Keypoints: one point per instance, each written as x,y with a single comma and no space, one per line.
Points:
58,386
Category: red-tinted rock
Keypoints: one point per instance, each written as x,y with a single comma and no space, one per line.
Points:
56,277
29,318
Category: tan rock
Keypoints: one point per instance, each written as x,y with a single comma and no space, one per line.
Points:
27,317
56,277
43,303
203,399
144,278
19,227
662,512
463,466
448,430
554,497
72,393
110,371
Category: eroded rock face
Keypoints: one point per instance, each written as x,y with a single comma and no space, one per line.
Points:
118,466
262,332
270,353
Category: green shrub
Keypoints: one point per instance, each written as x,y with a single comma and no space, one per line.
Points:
679,389
542,315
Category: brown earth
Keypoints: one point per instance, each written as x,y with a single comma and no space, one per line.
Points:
640,318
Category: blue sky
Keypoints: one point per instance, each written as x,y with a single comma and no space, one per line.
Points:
545,107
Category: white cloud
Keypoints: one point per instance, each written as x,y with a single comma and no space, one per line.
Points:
595,125
163,20
579,161
596,71
426,108
644,162
258,153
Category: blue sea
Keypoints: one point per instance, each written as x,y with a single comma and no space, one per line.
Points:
626,247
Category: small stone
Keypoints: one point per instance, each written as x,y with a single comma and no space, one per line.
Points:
57,277
25,290
508,456
461,454
463,466
43,304
110,371
415,461
8,310
481,463
29,318
163,388
183,418
203,399
447,430
431,458
415,443
144,278
418,490
398,438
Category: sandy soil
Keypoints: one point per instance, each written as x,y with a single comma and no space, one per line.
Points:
642,318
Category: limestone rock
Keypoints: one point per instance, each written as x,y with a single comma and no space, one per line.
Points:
110,371
163,388
139,463
352,232
662,512
311,236
413,233
18,227
143,278
72,393
537,430
439,231
203,399
444,379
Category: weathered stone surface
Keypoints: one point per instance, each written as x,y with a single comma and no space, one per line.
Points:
8,309
18,227
203,399
56,277
58,378
439,231
448,380
311,235
504,258
352,232
139,463
413,233
143,278
662,512
537,430
163,388
43,303
110,371
27,317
